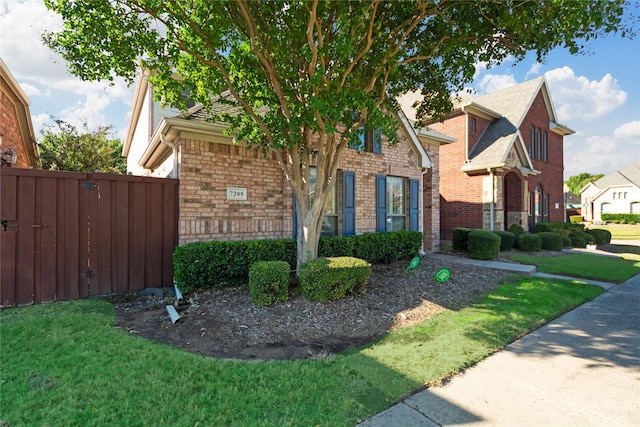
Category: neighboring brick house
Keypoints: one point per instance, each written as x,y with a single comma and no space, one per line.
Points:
507,164
618,192
16,129
231,192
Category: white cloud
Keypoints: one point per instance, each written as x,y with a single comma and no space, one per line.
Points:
534,70
578,98
629,130
44,75
30,90
492,82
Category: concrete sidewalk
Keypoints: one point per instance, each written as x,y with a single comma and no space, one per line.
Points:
581,369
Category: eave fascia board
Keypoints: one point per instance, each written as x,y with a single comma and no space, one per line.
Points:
175,128
479,110
425,161
136,107
560,129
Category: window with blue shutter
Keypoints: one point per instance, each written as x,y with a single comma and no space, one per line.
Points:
348,203
414,205
381,203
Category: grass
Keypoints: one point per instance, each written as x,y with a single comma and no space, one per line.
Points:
621,231
586,266
64,364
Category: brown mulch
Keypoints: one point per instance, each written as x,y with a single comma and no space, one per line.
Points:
226,323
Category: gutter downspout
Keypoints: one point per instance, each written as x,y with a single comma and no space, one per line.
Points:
174,149
421,227
491,204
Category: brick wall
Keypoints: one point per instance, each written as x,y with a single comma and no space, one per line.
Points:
10,132
551,176
460,194
208,168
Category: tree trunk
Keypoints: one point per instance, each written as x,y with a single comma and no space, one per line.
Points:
309,228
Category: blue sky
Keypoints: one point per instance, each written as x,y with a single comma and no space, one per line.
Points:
596,94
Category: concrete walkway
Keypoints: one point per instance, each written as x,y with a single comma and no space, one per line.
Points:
582,369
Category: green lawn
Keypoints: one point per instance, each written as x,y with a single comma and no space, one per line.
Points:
587,266
621,231
64,364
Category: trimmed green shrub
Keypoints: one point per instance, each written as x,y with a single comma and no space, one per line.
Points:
326,279
550,241
575,219
386,247
578,242
484,244
542,227
566,241
601,237
618,218
588,238
529,242
460,239
269,282
516,229
205,265
507,240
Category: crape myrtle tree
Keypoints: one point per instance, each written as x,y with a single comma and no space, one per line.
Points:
310,74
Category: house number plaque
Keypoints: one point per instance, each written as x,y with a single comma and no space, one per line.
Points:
234,193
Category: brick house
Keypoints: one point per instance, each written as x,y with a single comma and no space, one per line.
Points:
231,192
507,164
16,129
617,192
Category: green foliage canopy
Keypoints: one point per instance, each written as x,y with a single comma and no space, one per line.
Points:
64,148
309,74
576,182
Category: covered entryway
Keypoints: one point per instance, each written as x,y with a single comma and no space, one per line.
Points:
513,192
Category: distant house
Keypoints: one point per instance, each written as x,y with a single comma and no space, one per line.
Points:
572,204
507,164
18,147
229,191
618,192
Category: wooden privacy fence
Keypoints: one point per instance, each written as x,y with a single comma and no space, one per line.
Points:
67,235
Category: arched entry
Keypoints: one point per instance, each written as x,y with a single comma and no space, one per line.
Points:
513,199
536,207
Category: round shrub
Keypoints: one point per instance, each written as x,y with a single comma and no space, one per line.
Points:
484,244
542,227
588,238
578,242
529,242
602,237
326,279
516,229
507,240
460,239
566,241
269,282
550,241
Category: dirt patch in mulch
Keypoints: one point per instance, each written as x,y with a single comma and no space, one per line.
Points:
226,323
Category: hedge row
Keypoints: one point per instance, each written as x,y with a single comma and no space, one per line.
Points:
621,218
205,265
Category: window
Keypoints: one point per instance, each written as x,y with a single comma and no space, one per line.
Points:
544,146
369,140
625,195
532,141
538,201
330,218
605,208
546,207
635,208
472,124
615,195
538,144
395,204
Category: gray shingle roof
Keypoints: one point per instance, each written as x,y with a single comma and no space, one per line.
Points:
626,176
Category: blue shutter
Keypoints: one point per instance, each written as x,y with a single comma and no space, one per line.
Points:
414,207
348,203
381,203
376,141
